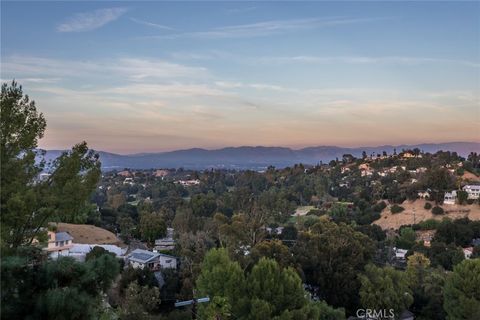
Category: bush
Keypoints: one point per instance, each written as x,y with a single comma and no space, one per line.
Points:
470,201
396,208
428,224
427,206
437,210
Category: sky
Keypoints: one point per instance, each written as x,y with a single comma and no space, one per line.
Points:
131,77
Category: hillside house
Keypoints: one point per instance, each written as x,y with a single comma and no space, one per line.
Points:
161,173
125,173
450,197
80,250
423,194
408,154
473,191
59,244
155,261
128,181
188,183
467,252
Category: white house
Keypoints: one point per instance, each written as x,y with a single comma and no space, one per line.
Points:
467,252
400,253
59,244
155,261
79,250
472,190
424,194
128,181
450,197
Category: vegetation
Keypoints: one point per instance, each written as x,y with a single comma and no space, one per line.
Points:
437,210
236,235
396,208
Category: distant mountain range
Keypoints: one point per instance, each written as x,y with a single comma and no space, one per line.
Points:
256,158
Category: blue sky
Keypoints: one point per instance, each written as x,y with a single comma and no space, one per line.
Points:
153,76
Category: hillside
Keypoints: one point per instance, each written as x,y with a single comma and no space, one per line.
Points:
389,220
88,234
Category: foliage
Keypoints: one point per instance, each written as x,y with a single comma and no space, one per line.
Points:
460,231
152,226
139,302
267,292
427,206
462,297
462,196
273,249
406,239
224,278
30,287
330,256
437,210
396,208
27,204
385,288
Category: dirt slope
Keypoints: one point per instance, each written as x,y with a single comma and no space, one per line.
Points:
84,233
394,221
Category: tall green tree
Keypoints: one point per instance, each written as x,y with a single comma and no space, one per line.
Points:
152,226
279,289
28,204
331,256
224,278
385,288
462,293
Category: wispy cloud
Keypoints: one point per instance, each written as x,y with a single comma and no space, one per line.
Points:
87,21
267,28
363,60
134,69
151,24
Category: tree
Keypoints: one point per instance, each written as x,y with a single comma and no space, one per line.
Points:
385,289
65,303
417,268
396,208
106,268
152,226
331,255
223,278
444,255
462,294
268,285
28,204
437,210
275,250
318,310
139,302
96,252
462,196
60,289
406,239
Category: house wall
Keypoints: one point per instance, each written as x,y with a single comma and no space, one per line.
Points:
168,262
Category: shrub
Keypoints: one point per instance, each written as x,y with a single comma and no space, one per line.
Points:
427,206
428,224
470,201
396,208
437,210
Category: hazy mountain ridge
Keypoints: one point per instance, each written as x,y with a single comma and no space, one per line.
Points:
247,157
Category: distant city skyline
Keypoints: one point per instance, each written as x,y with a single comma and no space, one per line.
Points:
132,77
